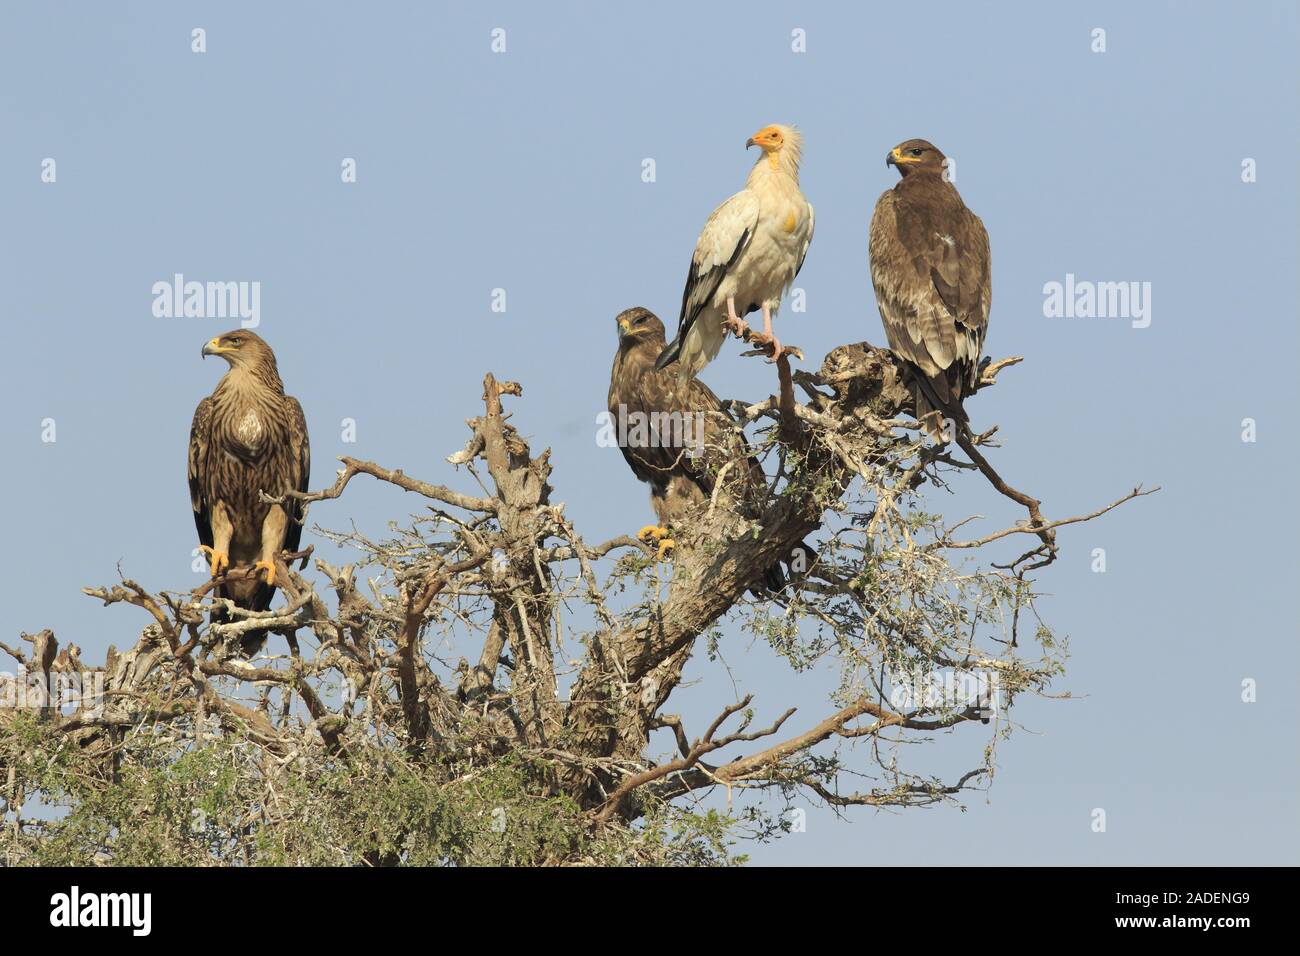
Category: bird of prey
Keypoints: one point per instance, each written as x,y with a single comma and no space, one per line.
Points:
930,270
678,437
247,437
748,254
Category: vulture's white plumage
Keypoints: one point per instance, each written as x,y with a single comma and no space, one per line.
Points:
747,256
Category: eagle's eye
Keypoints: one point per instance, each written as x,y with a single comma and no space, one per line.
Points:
640,320
236,341
916,151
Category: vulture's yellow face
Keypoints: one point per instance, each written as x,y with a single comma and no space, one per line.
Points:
915,155
770,139
239,347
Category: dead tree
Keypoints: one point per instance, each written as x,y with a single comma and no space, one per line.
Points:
445,641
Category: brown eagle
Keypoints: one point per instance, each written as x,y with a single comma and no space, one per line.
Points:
930,270
247,436
673,440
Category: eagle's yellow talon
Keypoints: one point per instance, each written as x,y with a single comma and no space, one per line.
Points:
268,567
220,560
658,535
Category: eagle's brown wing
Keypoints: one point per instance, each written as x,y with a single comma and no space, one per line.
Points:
724,442
636,389
930,270
200,435
299,477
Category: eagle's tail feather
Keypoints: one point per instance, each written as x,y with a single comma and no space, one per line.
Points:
938,394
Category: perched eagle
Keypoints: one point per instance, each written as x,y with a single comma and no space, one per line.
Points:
247,436
930,269
672,439
748,254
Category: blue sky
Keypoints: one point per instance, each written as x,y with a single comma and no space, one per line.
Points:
522,171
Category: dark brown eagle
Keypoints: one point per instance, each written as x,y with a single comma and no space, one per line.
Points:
677,437
247,436
930,269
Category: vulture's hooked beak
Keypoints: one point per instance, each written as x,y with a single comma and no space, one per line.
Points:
749,142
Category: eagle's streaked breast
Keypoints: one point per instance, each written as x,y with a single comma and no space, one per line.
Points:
249,432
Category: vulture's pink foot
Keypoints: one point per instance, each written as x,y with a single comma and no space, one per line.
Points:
764,340
737,327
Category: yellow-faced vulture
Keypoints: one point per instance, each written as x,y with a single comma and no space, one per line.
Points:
748,254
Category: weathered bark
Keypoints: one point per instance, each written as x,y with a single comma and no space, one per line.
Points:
498,569
632,673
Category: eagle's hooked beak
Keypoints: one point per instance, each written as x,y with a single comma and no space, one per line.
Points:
212,348
897,157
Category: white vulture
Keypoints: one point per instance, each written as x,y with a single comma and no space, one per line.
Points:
747,256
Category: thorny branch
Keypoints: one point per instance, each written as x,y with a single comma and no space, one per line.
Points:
576,649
